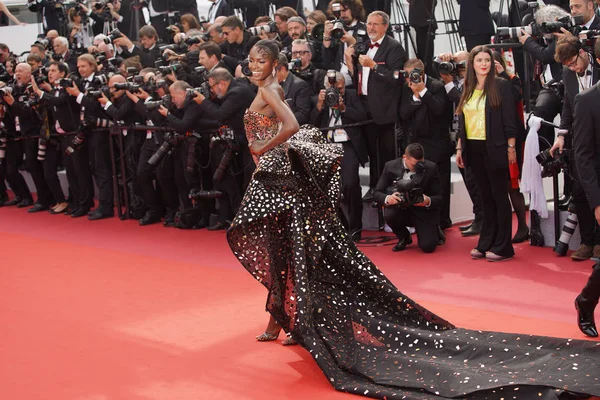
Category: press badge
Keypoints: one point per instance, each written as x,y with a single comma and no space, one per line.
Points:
338,136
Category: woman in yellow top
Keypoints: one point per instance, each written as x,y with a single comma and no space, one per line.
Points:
486,144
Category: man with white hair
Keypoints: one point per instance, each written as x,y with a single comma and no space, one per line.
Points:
62,53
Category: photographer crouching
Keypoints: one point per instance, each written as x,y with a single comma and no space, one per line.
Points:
411,192
227,102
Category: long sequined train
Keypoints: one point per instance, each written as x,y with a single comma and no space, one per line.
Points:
366,336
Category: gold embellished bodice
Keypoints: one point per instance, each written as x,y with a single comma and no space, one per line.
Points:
260,126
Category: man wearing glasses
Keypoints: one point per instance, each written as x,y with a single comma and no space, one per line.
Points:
238,42
578,75
315,77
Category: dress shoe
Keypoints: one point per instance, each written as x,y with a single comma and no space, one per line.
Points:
465,227
219,226
441,237
37,207
584,252
474,229
79,212
585,320
493,257
402,243
521,235
100,214
13,202
596,254
368,197
25,203
149,219
477,255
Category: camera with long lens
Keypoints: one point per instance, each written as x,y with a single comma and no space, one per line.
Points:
96,94
415,76
226,138
515,32
32,102
196,194
114,34
3,141
267,28
164,101
450,67
552,165
409,190
169,69
332,94
164,149
178,48
75,144
193,40
129,86
6,90
42,143
245,67
338,29
40,75
203,89
562,244
568,22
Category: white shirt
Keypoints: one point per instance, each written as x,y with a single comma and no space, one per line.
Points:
339,135
590,22
80,96
365,70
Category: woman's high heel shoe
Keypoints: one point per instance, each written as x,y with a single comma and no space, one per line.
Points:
521,236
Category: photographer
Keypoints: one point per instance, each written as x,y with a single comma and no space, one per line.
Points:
150,51
228,108
281,17
301,65
351,14
397,189
93,118
64,111
475,22
338,105
184,117
297,93
209,56
421,16
62,53
238,42
579,75
379,90
27,124
425,120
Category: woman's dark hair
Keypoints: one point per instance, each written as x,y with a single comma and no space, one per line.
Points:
498,57
268,47
490,88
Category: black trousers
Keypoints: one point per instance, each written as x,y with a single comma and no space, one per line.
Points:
473,190
3,194
36,170
101,168
497,219
427,229
185,179
13,160
591,292
164,194
79,174
381,146
351,191
476,40
425,47
588,226
51,162
228,185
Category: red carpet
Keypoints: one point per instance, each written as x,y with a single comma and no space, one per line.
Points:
109,310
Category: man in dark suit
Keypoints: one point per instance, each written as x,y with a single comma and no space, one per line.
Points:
62,53
421,16
426,120
348,110
424,216
228,106
475,22
579,74
149,53
238,42
218,8
379,90
297,92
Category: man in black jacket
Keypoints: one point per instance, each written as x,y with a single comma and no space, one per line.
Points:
238,42
348,110
475,22
378,87
301,50
27,123
149,53
426,120
421,16
296,91
579,74
62,53
399,214
228,106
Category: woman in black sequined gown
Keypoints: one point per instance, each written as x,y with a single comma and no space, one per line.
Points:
366,336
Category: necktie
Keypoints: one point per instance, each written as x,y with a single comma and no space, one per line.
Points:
371,45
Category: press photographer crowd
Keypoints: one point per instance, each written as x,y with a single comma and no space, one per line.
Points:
156,121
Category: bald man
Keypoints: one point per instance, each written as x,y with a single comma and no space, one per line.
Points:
27,124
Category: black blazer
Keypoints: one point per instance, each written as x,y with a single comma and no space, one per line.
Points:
427,122
475,18
499,127
431,184
571,83
297,95
586,142
223,10
384,89
231,108
64,109
419,13
147,57
355,112
123,109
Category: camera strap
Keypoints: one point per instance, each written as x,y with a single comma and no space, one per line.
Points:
337,135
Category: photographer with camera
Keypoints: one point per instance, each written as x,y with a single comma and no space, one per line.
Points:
342,32
227,104
379,90
149,53
62,53
184,116
410,191
64,111
579,74
92,119
23,103
338,105
301,65
238,42
426,118
281,17
209,56
297,93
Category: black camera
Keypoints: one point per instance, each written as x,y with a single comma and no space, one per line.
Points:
268,28
415,75
339,28
114,34
129,86
572,24
173,68
165,148
295,65
96,94
552,165
409,190
245,66
203,89
99,80
193,40
361,47
449,67
6,90
332,94
201,73
65,83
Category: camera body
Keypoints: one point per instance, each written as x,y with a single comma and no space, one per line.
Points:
361,47
415,76
332,94
268,28
553,165
114,34
410,189
65,83
450,67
